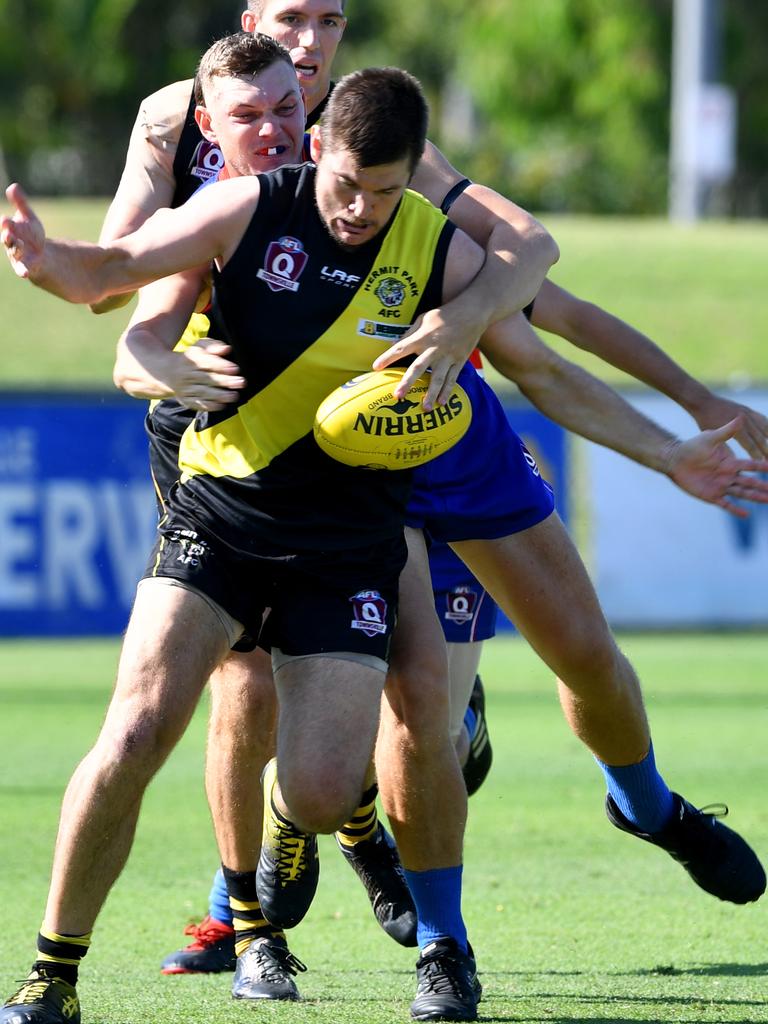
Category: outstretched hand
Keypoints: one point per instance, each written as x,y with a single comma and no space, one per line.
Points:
23,234
438,345
752,435
705,467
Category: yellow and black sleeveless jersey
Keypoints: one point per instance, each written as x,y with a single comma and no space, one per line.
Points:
303,315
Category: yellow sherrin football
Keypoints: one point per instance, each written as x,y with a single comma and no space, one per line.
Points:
363,424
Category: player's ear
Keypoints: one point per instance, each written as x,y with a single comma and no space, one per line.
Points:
248,21
315,144
203,120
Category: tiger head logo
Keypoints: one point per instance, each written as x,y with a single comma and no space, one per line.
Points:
390,292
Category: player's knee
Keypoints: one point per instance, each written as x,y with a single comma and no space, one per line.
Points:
136,745
320,803
595,664
141,729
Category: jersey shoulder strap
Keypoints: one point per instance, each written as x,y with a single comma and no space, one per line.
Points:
185,151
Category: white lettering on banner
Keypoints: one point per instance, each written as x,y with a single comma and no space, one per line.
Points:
18,538
65,541
71,529
129,522
18,451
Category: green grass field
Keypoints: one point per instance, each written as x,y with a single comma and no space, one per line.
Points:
699,292
571,920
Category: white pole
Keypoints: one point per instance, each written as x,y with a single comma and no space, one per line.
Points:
685,191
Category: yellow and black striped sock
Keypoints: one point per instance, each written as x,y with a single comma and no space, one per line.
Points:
60,955
247,919
364,822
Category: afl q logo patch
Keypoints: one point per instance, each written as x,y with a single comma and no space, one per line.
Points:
207,161
283,264
369,612
460,605
390,292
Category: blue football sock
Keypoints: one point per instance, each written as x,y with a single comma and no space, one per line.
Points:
640,793
437,895
218,900
470,723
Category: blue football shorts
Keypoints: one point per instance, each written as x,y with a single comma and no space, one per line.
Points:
487,486
466,611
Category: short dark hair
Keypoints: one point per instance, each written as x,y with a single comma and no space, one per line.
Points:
256,7
378,114
234,56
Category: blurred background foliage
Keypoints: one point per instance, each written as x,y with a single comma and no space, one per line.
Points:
562,104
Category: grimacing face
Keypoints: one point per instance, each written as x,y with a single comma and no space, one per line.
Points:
356,203
311,31
258,122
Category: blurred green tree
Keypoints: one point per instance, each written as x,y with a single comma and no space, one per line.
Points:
563,104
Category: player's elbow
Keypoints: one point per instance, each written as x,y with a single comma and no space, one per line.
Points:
120,377
111,302
542,242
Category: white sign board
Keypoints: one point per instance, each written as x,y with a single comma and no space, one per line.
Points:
660,558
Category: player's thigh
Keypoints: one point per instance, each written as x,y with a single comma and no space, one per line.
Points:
538,578
417,682
174,640
242,685
329,714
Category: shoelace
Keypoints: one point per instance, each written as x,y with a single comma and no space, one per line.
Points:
436,978
713,811
277,960
206,933
31,990
688,843
291,854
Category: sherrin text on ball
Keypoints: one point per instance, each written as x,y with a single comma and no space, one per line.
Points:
361,423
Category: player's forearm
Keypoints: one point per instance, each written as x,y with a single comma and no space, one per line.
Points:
574,398
516,265
586,406
144,364
519,250
595,330
509,279
78,272
122,219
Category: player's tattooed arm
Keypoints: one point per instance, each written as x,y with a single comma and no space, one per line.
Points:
200,376
595,330
147,183
519,249
207,227
703,466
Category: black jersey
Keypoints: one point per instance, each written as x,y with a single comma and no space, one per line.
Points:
303,315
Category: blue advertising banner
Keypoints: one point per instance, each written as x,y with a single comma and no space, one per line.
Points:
77,510
77,513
